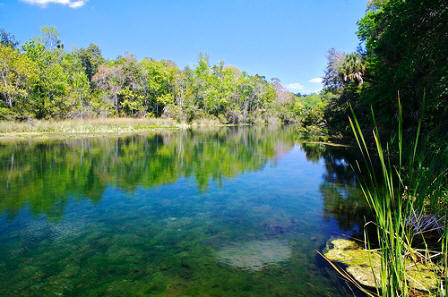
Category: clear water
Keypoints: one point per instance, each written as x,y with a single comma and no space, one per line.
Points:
229,212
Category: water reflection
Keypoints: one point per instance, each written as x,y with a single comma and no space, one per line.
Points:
342,198
229,212
45,175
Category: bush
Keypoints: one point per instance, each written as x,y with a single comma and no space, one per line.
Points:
5,113
174,112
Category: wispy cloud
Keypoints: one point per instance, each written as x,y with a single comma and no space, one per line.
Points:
295,87
317,80
69,3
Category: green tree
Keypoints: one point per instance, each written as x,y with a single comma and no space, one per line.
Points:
78,83
406,44
53,94
352,68
50,38
159,85
91,59
17,73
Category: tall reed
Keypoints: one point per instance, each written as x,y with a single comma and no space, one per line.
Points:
403,181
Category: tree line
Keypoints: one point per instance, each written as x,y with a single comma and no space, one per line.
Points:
42,80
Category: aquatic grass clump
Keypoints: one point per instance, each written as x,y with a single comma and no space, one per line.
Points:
401,186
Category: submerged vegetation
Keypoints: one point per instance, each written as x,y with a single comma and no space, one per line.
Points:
216,212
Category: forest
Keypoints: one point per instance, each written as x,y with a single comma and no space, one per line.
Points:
41,80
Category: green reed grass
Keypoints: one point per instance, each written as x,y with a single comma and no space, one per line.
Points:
402,180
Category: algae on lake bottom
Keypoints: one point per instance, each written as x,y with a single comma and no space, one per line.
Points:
235,212
253,255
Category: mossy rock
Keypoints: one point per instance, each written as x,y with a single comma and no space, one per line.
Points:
365,266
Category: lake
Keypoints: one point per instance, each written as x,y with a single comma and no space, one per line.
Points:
224,212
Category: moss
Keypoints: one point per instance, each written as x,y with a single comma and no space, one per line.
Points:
365,266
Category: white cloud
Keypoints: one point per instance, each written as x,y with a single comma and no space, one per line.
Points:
295,87
69,3
317,80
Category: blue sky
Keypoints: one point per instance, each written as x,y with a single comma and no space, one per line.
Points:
287,39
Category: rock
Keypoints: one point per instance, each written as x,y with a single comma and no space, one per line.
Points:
365,265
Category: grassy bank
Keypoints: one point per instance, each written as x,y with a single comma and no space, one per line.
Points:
10,130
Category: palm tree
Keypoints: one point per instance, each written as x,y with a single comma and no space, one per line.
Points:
352,68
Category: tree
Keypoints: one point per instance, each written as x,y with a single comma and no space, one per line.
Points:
79,93
55,83
406,44
283,95
50,38
7,39
49,96
352,69
159,86
17,72
91,59
332,78
109,79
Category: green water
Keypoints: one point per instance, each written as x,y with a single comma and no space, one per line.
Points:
229,212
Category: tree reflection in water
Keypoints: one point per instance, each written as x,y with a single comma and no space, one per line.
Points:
342,198
45,175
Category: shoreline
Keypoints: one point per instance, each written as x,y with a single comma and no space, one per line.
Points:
11,131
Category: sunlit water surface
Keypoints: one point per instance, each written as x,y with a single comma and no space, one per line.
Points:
229,212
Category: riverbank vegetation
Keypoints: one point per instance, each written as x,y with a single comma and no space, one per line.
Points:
406,186
84,125
403,54
403,51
